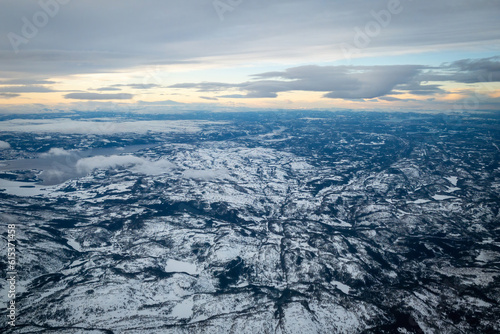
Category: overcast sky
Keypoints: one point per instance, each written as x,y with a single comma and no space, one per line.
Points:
163,54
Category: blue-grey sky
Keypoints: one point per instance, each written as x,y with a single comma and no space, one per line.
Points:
439,55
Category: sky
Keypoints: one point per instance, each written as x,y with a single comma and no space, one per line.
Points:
165,55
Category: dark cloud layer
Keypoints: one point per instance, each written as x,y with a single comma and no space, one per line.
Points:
345,82
106,89
25,89
137,86
97,96
8,95
101,36
357,82
26,82
468,71
118,87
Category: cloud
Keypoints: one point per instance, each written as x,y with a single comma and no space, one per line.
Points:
209,98
56,152
102,89
4,145
26,89
62,125
26,82
8,95
160,103
154,167
136,164
357,82
97,96
133,86
344,82
87,165
138,86
238,96
206,86
393,99
417,88
467,71
187,32
473,100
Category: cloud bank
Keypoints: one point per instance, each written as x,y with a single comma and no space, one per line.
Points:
358,82
56,152
136,164
63,125
98,96
114,35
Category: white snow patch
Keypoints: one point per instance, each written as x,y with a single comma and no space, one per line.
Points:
183,310
453,180
487,241
300,165
73,243
342,287
227,252
486,256
418,201
179,266
477,302
442,197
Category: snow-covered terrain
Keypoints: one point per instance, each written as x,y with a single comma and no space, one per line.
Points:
259,223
